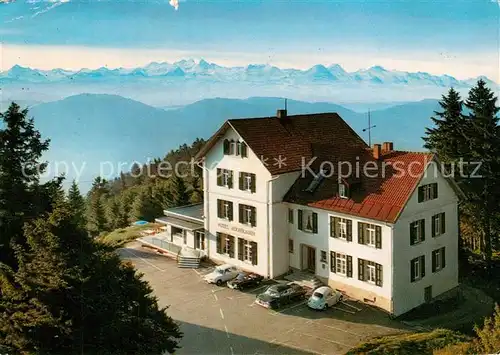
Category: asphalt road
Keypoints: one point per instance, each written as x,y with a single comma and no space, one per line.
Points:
218,320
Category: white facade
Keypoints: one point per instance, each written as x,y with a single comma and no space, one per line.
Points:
385,280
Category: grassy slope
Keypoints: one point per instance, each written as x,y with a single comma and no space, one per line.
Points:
119,237
409,344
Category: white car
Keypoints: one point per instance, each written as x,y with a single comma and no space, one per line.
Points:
324,297
221,274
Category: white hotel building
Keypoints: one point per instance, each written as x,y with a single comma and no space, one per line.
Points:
387,236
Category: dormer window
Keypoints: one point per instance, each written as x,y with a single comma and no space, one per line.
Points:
318,179
343,191
232,147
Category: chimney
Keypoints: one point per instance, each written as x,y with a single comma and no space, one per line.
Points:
387,147
377,151
281,114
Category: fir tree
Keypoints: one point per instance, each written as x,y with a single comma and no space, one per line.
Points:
73,295
196,190
145,207
113,213
96,214
21,148
178,189
77,204
447,138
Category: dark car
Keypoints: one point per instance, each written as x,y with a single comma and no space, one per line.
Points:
245,280
278,295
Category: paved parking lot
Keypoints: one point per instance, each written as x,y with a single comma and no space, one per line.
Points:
218,320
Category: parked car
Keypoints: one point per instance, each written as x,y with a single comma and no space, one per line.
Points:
221,274
324,297
276,296
245,280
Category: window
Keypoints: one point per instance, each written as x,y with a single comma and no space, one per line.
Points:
177,232
225,209
342,191
427,192
438,259
199,240
370,271
290,246
247,215
323,256
232,147
370,234
225,178
247,251
417,268
417,231
438,225
247,182
341,264
318,179
290,215
307,221
225,244
341,228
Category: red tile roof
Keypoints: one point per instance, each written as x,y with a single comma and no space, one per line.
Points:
291,139
376,196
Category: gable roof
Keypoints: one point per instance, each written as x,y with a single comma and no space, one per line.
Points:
290,140
380,196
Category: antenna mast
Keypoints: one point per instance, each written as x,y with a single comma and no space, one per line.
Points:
369,129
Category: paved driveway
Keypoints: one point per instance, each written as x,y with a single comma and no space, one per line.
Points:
218,320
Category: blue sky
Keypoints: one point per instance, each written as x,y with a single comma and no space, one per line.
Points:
460,38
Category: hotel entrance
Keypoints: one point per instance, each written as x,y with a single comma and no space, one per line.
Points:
308,259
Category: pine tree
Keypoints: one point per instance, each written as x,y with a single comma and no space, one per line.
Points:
96,214
483,137
113,213
145,207
180,195
447,138
77,204
21,148
196,190
73,295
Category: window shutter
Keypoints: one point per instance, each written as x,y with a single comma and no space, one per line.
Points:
238,148
219,177
299,219
232,246
412,270
230,211
433,226
252,182
378,237
361,269
230,180
240,180
253,220
422,266
240,213
243,150
349,266
219,208
443,223
378,275
333,262
435,190
413,235
349,230
290,215
443,258
361,233
422,229
337,227
240,249
218,244
315,223
434,260
332,227
254,253
226,146
420,194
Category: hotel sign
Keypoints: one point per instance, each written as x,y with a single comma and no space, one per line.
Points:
236,229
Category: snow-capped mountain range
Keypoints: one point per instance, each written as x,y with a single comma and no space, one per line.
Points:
189,70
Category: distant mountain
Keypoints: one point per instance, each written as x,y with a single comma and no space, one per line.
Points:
107,133
189,69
